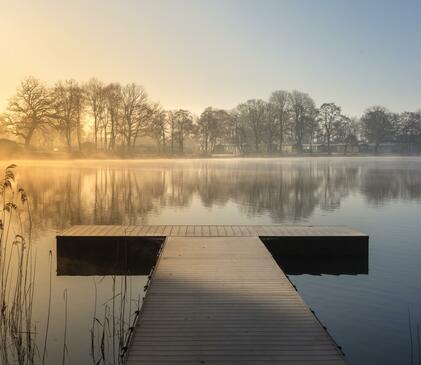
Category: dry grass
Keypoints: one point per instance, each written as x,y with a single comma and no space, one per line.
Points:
111,326
17,274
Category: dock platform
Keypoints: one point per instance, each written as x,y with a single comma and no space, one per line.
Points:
211,231
217,296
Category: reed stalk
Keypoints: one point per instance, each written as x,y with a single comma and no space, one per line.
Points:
65,351
17,274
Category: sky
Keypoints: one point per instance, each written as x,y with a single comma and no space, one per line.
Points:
194,53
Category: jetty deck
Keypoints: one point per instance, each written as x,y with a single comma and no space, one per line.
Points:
211,231
217,296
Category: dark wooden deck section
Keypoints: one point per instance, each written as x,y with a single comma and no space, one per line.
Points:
217,296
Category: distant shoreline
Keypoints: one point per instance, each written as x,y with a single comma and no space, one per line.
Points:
77,156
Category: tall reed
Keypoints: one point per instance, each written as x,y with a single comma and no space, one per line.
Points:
110,327
414,341
17,274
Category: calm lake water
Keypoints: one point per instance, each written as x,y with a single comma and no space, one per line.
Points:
368,315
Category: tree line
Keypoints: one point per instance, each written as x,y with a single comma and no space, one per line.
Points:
114,118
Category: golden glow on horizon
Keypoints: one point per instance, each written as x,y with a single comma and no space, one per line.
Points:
194,54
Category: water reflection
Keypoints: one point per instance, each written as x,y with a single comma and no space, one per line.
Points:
381,185
129,194
366,314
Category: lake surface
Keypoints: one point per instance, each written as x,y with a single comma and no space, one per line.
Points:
368,315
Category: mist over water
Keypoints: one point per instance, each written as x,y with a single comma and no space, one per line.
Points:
366,314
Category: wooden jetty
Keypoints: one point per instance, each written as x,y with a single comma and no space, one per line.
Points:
217,296
212,231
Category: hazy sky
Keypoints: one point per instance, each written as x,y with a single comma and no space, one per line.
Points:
193,54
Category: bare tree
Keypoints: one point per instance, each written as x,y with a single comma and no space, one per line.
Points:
279,100
237,130
68,103
158,126
377,125
301,108
269,134
30,110
253,112
135,109
95,96
119,116
205,124
346,132
408,129
312,127
184,127
330,118
212,125
172,122
143,122
113,99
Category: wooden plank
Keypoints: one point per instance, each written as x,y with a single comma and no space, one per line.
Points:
237,231
206,231
183,231
213,231
190,231
100,230
224,300
132,231
167,230
174,230
160,231
198,231
147,230
245,232
151,231
109,231
270,230
139,230
229,231
157,231
252,231
218,231
84,230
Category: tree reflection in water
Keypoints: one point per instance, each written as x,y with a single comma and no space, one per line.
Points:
114,193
